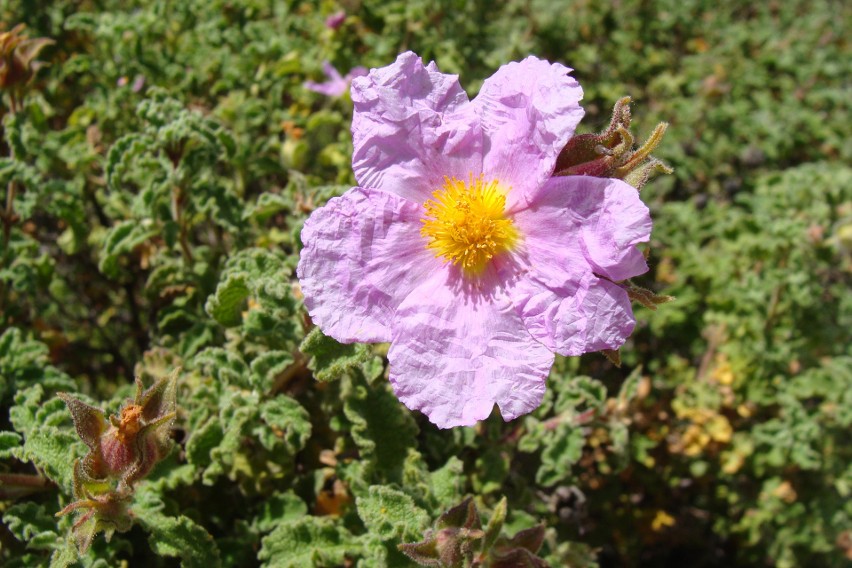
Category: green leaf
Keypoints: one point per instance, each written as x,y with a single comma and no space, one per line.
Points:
391,514
53,451
267,367
49,447
65,554
280,508
286,421
8,442
382,427
495,525
228,302
24,362
563,447
179,537
448,482
226,367
309,541
31,524
202,441
331,360
121,239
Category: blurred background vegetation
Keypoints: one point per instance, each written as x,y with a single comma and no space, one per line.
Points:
158,171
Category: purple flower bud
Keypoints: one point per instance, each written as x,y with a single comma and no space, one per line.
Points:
335,20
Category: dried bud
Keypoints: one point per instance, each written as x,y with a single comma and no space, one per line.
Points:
126,447
611,154
460,541
18,59
122,450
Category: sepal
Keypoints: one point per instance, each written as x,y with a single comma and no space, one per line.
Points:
610,153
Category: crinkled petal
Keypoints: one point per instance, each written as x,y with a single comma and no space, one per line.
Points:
601,218
412,126
577,230
363,254
610,237
529,111
358,71
454,354
582,317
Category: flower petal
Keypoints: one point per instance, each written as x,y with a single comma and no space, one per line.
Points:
335,86
455,354
412,126
600,218
529,111
363,255
585,316
577,229
611,233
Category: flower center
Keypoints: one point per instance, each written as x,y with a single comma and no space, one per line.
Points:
129,425
465,223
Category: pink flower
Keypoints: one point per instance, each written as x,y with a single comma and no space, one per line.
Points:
461,250
336,86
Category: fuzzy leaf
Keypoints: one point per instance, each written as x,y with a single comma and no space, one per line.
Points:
390,513
179,537
330,360
8,442
49,447
382,428
31,524
267,367
281,508
24,362
202,441
562,448
309,541
286,420
123,238
447,482
228,302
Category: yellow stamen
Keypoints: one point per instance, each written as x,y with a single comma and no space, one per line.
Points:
466,224
130,422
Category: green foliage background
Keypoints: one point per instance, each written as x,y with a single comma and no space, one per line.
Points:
167,158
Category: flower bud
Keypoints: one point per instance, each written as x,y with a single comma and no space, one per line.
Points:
128,446
18,59
610,153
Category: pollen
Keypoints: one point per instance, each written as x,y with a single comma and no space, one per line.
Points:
465,223
130,422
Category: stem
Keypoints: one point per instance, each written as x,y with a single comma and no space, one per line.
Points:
9,211
13,485
177,215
